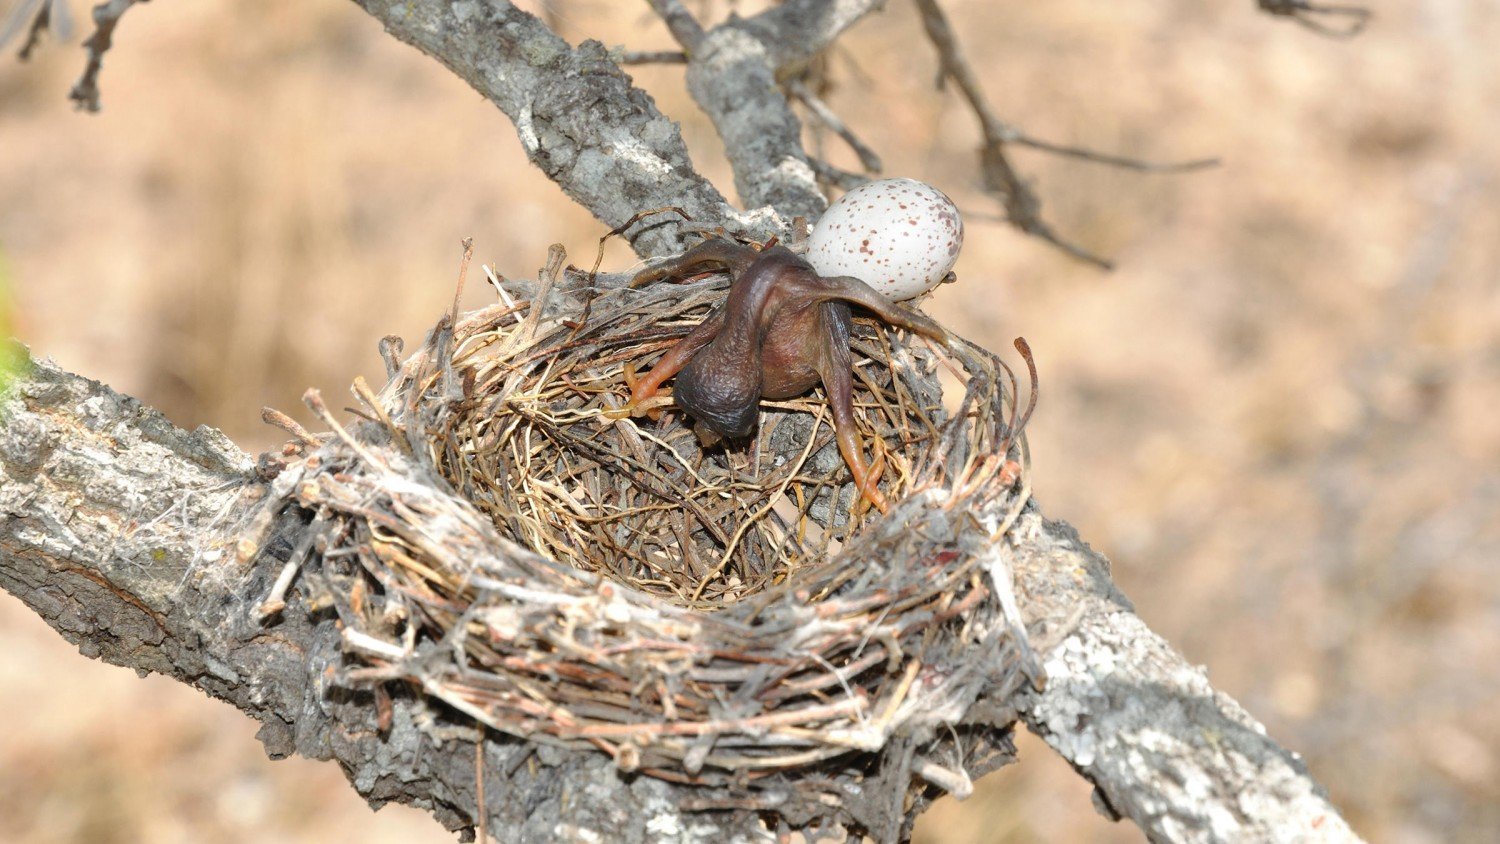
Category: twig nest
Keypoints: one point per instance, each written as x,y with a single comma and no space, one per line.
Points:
505,543
900,236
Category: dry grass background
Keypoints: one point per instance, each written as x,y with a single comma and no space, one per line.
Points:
1278,417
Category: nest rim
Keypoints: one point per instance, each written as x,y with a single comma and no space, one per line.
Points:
837,656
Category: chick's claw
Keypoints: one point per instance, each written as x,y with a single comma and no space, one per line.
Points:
865,480
645,399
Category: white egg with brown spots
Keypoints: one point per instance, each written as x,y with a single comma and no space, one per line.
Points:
900,236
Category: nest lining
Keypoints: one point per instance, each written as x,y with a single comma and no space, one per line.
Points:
719,615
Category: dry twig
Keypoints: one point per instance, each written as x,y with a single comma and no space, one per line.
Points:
1022,207
85,93
868,158
1314,16
44,16
653,57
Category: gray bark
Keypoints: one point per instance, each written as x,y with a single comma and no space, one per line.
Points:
580,119
124,533
604,142
733,79
734,74
1164,748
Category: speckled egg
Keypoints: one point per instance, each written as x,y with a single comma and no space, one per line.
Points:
900,236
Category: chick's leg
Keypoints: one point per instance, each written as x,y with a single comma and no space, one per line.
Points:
674,360
836,368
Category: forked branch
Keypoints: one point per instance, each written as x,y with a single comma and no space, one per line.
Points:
1022,207
580,118
124,533
603,141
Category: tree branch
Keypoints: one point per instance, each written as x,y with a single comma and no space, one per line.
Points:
1315,16
680,22
1022,207
45,16
798,30
580,119
1162,746
868,158
85,93
123,533
735,72
731,76
126,535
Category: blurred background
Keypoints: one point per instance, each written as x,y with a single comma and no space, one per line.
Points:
1277,418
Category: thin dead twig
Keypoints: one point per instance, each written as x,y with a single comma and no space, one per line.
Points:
836,176
653,57
85,93
683,26
45,15
1022,207
868,158
1015,136
1312,16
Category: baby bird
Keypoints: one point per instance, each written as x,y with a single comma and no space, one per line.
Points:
782,329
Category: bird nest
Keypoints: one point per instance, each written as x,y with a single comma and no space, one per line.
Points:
506,542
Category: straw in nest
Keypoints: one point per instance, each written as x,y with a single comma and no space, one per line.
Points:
725,616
